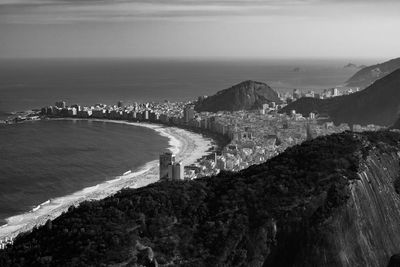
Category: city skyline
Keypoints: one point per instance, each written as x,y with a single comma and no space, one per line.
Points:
199,29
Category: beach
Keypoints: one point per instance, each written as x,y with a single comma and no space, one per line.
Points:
187,146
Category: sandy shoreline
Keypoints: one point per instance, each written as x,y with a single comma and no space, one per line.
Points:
187,146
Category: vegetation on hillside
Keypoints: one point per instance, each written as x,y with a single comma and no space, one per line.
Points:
250,218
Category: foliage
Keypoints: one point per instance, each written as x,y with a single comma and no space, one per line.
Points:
233,219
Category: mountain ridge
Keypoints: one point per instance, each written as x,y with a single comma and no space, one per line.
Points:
377,104
368,75
330,201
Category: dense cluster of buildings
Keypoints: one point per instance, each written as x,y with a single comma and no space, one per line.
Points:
254,136
326,93
4,242
169,168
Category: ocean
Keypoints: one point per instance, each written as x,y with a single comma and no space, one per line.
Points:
47,159
27,84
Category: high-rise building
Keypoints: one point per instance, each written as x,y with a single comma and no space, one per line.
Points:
309,134
166,159
179,171
296,94
78,108
204,123
145,115
214,157
49,110
176,171
154,116
73,112
61,104
221,163
170,174
188,113
334,92
265,108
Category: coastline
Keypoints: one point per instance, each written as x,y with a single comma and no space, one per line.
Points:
187,146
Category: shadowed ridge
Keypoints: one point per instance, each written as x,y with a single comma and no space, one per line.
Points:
378,104
330,201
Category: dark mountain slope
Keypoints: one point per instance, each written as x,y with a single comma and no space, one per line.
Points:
396,125
243,96
378,104
370,74
331,201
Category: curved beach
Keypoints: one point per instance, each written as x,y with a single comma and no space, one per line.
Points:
187,146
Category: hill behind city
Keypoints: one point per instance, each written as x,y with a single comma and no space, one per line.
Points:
246,95
378,104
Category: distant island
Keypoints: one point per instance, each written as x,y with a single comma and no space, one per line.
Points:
297,69
351,65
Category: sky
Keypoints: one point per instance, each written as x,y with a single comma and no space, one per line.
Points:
200,28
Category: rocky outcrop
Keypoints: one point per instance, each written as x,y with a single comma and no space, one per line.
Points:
365,232
246,95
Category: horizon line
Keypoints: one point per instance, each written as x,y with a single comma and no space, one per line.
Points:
201,58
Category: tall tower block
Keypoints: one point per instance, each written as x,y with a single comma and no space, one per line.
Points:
166,159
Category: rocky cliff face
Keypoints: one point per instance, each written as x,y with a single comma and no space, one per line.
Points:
332,201
246,95
366,230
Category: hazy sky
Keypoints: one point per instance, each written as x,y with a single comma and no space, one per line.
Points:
200,28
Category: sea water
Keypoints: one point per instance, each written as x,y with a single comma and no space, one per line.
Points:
42,160
27,84
47,159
